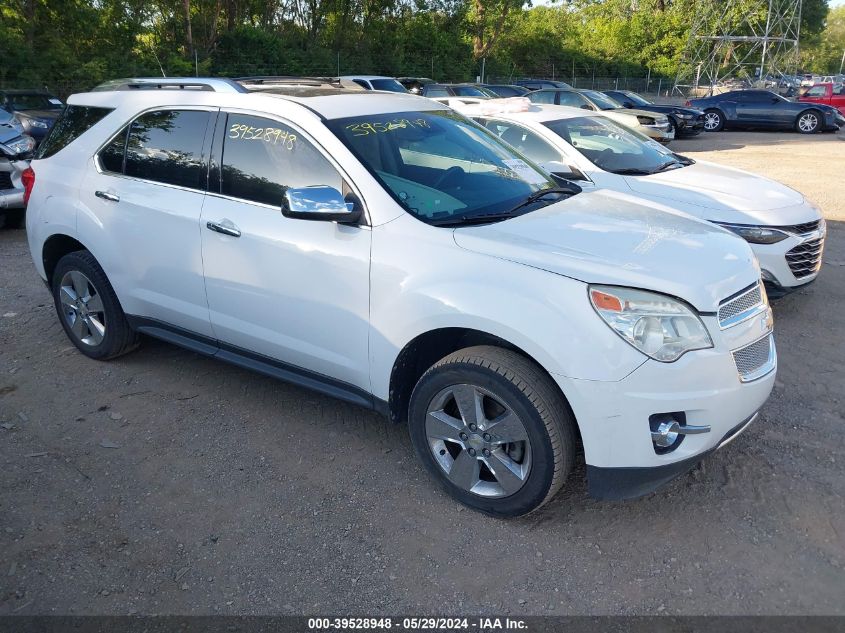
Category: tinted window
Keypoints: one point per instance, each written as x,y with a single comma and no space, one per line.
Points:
34,102
391,85
111,156
529,143
469,91
362,83
574,100
74,121
262,158
816,91
436,92
542,97
166,146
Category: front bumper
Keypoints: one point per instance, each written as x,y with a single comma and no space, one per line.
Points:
793,262
11,187
702,386
662,133
688,127
617,484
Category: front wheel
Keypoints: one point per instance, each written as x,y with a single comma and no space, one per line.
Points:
88,308
491,426
714,120
808,122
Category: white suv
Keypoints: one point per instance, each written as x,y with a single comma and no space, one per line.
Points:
387,251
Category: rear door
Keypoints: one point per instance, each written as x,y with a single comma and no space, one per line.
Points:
146,193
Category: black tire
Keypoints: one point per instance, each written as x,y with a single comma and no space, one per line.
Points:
673,127
118,338
813,117
715,118
531,394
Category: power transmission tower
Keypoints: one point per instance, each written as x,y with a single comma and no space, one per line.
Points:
744,40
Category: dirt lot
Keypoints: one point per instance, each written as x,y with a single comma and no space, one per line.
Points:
165,482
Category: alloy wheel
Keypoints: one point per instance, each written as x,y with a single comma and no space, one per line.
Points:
82,308
808,122
478,441
712,121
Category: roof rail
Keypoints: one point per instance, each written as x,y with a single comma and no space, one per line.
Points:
206,84
288,80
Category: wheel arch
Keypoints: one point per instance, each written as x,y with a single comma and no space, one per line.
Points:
427,348
54,248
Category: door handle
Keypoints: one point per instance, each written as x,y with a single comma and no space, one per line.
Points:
225,229
105,195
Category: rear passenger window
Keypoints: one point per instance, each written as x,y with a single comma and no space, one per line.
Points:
166,146
262,158
542,97
111,156
74,121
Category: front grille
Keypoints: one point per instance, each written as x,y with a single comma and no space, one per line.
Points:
752,361
734,310
5,180
800,229
806,258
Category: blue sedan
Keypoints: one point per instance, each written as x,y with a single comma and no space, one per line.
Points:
767,110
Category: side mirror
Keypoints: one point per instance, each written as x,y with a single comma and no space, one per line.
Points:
319,202
570,172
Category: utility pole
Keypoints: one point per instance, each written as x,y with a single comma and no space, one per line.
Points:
842,63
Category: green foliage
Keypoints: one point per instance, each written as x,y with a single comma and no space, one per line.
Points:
74,44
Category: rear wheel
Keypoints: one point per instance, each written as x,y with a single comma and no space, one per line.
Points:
491,426
808,122
714,120
88,308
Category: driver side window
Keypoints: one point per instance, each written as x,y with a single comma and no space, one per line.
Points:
262,158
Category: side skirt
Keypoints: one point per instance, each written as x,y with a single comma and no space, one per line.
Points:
257,362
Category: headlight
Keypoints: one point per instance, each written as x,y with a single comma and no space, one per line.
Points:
37,123
659,326
21,145
755,234
683,115
645,120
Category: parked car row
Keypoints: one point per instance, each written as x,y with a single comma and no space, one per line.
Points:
390,251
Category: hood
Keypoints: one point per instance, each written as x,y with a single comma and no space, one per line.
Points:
612,238
637,112
723,194
667,109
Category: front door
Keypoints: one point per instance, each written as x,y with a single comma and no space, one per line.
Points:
287,290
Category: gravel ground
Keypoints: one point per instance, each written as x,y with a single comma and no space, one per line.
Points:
167,483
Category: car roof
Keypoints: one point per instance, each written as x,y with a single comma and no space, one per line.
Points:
367,77
328,103
539,113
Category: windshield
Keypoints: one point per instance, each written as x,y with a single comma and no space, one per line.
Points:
614,148
470,91
636,99
391,85
439,165
35,102
602,100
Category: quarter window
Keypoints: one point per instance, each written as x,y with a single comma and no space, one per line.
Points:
74,121
111,156
166,146
262,158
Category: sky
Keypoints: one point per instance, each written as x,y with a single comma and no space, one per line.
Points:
836,3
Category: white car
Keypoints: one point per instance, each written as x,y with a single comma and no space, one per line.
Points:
785,230
385,250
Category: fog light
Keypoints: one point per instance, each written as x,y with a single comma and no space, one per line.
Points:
666,434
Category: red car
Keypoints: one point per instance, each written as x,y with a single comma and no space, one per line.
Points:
830,94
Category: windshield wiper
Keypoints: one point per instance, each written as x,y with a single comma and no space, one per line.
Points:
632,171
464,220
667,165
